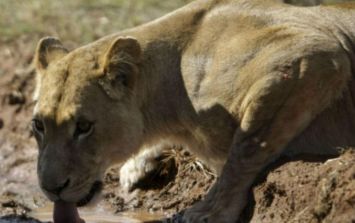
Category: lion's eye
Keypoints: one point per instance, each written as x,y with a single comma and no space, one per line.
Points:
38,126
83,128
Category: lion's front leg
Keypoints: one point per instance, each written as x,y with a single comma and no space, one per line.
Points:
218,206
227,199
248,156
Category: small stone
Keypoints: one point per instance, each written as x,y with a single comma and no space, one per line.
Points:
16,97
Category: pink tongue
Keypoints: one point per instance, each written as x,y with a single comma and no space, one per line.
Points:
66,213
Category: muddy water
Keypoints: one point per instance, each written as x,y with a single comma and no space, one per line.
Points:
99,215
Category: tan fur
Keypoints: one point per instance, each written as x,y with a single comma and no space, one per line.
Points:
237,81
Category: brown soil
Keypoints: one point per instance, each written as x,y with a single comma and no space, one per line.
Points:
303,190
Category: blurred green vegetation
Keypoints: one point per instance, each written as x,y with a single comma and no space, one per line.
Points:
77,20
84,20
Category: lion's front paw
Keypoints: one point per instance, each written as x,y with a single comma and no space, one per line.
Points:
136,169
198,214
219,206
131,172
206,212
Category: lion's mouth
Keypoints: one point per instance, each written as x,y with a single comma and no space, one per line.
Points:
95,188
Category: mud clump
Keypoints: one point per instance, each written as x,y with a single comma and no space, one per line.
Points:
320,190
300,191
13,207
16,97
270,193
188,180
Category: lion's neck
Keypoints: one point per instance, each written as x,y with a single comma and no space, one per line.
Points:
166,107
164,101
161,91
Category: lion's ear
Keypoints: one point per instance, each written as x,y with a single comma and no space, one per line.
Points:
121,61
49,49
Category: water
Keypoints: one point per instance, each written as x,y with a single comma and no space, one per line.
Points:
99,215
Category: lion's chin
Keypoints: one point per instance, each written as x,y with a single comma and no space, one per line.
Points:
95,188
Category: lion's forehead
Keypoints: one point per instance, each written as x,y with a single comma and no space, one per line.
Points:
63,84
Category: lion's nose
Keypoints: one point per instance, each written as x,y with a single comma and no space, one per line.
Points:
55,188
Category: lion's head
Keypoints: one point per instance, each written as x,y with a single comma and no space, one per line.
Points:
86,115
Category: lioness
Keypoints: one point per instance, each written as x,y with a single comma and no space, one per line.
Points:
237,81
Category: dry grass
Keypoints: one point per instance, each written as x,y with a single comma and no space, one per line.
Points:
186,162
